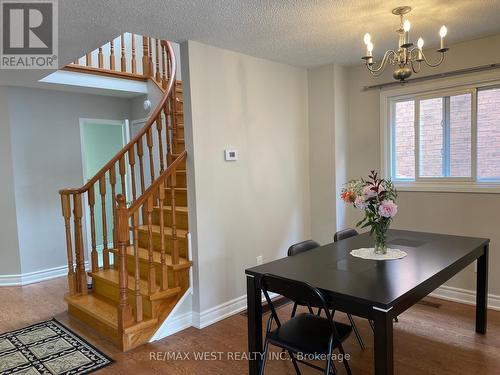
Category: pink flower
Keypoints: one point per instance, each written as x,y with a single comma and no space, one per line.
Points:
368,192
360,203
388,209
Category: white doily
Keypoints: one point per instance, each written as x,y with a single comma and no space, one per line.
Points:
369,253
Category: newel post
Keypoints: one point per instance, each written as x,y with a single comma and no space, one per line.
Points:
122,234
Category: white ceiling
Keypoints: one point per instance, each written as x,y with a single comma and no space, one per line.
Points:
303,33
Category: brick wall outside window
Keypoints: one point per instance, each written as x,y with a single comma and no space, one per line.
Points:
431,137
488,134
432,141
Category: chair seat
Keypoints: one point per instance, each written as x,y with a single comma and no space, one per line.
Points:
307,333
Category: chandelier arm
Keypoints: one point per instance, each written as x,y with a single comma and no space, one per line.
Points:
417,69
382,65
436,64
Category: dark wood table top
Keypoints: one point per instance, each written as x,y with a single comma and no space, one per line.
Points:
431,257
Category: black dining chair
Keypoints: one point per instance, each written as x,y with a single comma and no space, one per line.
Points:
298,248
344,233
302,247
307,334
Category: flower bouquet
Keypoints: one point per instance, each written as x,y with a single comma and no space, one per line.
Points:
376,197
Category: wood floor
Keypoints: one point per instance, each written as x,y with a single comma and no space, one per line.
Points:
434,338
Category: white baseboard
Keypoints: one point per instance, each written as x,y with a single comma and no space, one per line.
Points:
217,313
223,311
465,296
35,277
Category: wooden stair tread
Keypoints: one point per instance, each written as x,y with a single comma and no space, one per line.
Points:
178,209
100,309
111,276
181,233
180,189
144,257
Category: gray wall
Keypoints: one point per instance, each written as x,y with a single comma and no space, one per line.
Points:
9,245
46,155
258,205
453,213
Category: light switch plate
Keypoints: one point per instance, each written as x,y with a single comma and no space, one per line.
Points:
231,155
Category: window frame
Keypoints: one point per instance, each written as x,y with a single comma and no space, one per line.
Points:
434,89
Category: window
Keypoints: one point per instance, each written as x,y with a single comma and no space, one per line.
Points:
450,138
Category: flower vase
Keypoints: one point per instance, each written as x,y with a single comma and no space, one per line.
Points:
380,244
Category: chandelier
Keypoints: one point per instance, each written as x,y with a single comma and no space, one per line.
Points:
407,58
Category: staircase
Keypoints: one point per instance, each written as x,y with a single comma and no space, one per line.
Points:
144,246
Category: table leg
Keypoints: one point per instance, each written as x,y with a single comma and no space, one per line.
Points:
383,337
482,291
254,309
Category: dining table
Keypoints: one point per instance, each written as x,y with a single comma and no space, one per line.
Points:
378,290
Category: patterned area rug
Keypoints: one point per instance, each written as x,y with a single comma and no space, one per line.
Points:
48,348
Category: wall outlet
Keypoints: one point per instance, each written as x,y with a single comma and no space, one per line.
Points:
260,260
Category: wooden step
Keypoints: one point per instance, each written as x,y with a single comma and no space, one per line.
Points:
184,264
105,283
182,164
144,257
181,216
180,196
181,239
179,146
180,131
111,276
97,308
102,315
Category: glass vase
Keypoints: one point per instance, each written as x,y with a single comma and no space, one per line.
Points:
380,244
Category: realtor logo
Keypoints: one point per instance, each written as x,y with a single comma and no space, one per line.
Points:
29,34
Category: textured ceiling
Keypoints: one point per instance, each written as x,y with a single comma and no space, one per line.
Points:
303,33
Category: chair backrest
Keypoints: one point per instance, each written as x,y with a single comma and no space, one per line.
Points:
295,291
345,233
302,247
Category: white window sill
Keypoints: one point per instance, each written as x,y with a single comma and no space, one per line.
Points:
449,187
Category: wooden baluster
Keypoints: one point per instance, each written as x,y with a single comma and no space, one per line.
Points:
175,246
160,141
112,58
137,271
93,253
151,266
79,251
149,141
164,81
158,75
123,61
112,181
167,133
134,64
173,107
105,250
145,59
140,153
164,272
100,59
169,65
124,311
123,180
88,59
131,162
66,211
150,57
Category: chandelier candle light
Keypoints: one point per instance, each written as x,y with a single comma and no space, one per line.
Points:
408,58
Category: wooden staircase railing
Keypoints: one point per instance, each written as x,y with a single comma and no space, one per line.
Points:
155,141
127,222
137,58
